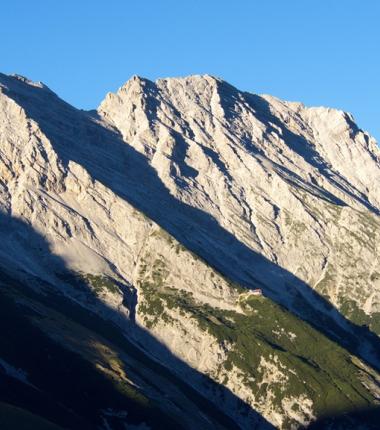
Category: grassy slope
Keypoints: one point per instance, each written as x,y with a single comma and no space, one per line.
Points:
78,361
72,388
316,366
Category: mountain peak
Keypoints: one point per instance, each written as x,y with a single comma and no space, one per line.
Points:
22,79
191,79
134,81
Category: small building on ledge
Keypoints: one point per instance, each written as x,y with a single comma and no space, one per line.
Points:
256,292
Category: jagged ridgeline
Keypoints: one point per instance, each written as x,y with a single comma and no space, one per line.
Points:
187,256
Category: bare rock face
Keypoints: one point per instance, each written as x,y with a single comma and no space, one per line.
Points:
296,185
163,209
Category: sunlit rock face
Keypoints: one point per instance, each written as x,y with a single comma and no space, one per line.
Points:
163,210
297,185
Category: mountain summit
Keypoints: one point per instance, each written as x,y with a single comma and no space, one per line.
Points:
188,255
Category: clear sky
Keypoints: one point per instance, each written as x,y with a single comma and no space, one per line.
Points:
320,52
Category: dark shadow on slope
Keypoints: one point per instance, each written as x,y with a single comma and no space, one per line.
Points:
366,419
65,388
78,137
296,181
179,158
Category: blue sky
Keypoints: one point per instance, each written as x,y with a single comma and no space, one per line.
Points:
320,52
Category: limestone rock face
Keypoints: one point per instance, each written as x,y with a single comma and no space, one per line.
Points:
163,208
297,185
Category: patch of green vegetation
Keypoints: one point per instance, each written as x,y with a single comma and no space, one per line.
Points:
351,310
153,307
160,233
374,323
154,292
310,363
179,248
363,232
369,221
81,281
265,335
99,283
164,235
296,227
158,295
327,281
